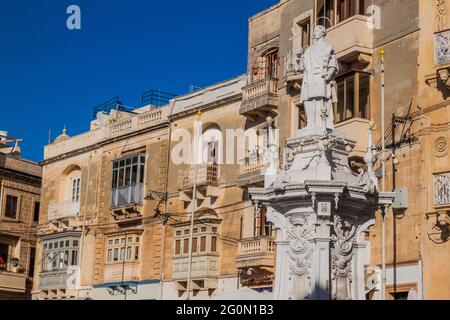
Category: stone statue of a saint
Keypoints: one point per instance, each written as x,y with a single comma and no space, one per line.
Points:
319,67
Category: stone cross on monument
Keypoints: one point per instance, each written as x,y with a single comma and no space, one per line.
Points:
321,209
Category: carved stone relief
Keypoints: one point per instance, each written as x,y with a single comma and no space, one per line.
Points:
301,232
441,14
441,146
342,254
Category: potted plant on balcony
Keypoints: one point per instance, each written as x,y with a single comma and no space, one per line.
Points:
2,264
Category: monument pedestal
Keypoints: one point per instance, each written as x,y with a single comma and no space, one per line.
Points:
321,211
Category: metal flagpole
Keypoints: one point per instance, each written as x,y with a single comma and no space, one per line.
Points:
383,183
194,207
82,230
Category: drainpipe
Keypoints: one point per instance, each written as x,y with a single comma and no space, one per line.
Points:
83,228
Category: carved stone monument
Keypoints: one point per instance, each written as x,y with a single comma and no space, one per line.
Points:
319,207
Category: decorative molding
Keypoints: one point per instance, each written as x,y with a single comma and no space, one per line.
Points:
441,146
441,14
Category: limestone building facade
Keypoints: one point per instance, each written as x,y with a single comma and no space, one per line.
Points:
117,200
20,182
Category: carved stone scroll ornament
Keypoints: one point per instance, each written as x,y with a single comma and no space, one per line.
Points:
441,14
300,232
342,253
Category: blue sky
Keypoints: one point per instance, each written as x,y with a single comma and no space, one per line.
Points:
51,76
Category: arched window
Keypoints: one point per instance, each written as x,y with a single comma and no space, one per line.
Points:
266,65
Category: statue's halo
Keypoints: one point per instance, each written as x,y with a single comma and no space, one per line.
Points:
323,17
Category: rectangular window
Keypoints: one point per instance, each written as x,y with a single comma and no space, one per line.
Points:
203,244
32,261
353,91
76,189
129,172
186,246
74,260
306,34
136,253
194,245
213,244
178,247
75,243
122,253
37,206
129,253
11,206
116,254
109,255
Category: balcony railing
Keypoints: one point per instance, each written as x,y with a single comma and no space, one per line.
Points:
252,171
260,88
207,175
260,97
63,209
256,252
253,166
127,195
12,282
203,266
126,271
62,279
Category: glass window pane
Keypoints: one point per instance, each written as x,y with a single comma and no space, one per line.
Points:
114,179
194,245
213,244
128,161
75,243
67,243
116,254
129,253
116,241
110,242
127,176
364,96
141,174
74,260
124,240
136,253
203,244
109,255
122,253
134,174
122,163
115,165
121,177
11,207
130,239
350,96
186,246
135,160
178,247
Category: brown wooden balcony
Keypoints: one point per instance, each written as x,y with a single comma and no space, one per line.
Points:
260,98
251,172
256,252
207,175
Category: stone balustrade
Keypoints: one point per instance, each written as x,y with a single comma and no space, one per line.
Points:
116,129
63,209
207,174
255,246
260,88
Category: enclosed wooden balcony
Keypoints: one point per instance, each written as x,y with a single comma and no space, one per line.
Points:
260,99
204,275
352,39
256,252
